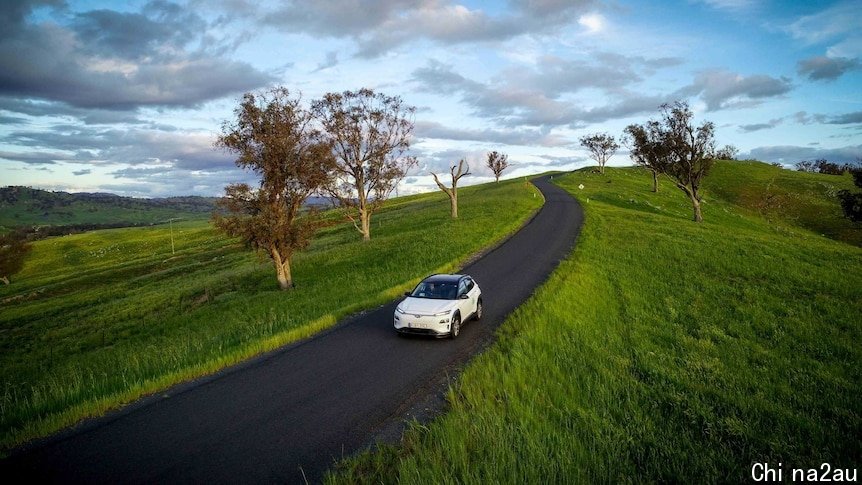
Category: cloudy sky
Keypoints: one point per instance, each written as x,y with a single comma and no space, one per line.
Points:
129,99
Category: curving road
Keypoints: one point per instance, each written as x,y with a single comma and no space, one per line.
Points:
288,415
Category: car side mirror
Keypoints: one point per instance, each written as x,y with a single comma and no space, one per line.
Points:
406,293
465,296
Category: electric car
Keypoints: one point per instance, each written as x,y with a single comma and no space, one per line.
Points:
439,305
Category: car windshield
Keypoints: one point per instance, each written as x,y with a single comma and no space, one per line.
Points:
436,290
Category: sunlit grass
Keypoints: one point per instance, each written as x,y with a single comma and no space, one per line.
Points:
786,196
98,319
660,350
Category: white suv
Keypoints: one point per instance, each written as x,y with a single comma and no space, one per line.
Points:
438,305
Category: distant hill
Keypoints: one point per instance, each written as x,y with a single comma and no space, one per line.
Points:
73,212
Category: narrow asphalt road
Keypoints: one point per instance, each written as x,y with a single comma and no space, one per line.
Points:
289,415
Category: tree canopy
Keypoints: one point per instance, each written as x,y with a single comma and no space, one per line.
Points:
675,147
369,135
274,136
601,146
497,162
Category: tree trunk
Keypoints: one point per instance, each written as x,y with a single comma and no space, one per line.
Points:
602,168
654,181
365,224
691,192
282,270
695,204
453,201
451,193
497,178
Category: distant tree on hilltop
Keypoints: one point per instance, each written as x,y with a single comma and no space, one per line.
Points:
823,166
497,162
601,146
727,152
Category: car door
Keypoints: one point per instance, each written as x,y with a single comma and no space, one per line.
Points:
473,293
464,306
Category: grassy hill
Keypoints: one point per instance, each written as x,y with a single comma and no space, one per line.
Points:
664,350
24,206
98,319
787,198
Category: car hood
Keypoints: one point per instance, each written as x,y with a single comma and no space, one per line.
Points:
426,305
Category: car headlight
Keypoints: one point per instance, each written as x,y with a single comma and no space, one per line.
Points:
440,314
399,310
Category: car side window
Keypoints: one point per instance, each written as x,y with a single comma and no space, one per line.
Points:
462,287
470,284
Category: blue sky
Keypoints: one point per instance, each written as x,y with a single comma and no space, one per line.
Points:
128,98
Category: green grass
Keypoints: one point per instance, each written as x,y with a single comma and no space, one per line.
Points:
98,319
796,198
660,350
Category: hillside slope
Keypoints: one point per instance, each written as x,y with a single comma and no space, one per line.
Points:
786,197
24,206
661,350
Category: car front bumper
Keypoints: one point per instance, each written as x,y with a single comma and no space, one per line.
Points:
427,332
422,324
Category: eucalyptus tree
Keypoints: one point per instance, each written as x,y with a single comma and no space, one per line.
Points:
677,148
369,135
601,146
646,148
274,136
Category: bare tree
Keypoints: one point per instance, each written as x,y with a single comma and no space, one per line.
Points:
646,148
497,162
274,136
463,170
602,146
370,135
13,250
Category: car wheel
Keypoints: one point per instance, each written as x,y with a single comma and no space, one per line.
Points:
479,309
455,329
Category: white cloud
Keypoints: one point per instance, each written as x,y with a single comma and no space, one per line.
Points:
431,129
378,27
721,89
792,154
836,21
732,5
849,47
593,22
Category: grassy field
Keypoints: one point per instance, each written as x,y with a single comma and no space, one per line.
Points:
786,197
661,350
98,319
